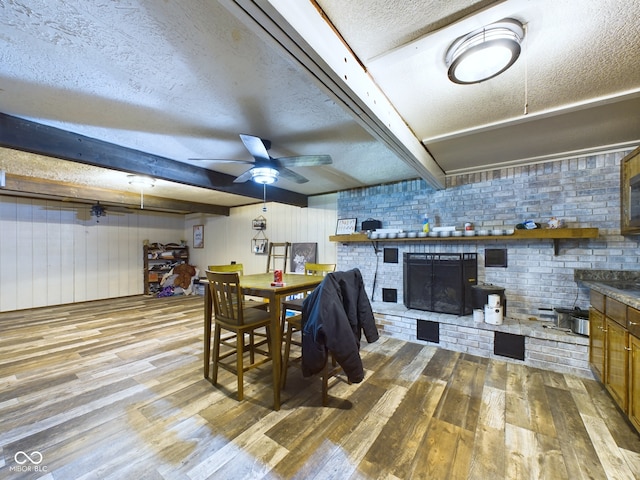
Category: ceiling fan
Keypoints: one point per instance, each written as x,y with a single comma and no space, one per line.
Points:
267,169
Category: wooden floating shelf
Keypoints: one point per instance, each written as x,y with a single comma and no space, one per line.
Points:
554,234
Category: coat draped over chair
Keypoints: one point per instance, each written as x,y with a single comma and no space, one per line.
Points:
334,317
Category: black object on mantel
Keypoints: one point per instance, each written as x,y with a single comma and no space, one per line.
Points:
371,224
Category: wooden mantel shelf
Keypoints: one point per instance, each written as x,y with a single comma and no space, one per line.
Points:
554,234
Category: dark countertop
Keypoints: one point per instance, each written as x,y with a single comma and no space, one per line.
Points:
624,292
621,285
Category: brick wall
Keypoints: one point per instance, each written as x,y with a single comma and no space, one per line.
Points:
583,192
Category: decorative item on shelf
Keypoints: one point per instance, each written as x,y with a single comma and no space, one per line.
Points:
346,226
555,223
259,243
528,225
259,223
371,224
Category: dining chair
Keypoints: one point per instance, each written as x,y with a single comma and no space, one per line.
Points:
239,268
230,315
291,316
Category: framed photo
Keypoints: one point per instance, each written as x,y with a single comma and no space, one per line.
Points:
346,226
302,253
198,236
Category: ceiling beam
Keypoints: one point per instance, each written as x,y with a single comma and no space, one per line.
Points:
29,136
22,186
305,37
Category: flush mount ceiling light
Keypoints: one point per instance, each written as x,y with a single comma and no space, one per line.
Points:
484,53
264,175
141,182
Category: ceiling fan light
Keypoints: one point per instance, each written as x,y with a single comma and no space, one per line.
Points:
264,175
484,53
141,181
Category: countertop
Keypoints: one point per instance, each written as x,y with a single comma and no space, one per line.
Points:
621,285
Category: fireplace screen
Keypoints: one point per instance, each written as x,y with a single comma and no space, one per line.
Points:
440,282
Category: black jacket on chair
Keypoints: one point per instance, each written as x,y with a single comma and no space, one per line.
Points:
334,316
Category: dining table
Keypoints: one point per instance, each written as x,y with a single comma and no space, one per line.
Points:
261,285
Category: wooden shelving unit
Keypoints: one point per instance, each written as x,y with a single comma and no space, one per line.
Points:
159,260
555,234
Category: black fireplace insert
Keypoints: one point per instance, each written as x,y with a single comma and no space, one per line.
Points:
440,282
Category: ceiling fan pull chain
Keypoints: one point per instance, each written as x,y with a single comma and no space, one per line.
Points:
264,197
526,70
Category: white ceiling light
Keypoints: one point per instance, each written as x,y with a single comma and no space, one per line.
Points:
264,175
141,182
484,53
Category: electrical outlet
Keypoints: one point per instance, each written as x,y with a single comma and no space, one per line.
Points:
3,180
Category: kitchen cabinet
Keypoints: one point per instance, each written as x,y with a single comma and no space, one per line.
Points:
634,381
616,362
596,341
614,351
159,259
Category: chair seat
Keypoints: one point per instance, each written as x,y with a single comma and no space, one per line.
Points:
293,304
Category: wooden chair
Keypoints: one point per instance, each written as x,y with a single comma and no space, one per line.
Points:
294,322
278,252
239,268
229,315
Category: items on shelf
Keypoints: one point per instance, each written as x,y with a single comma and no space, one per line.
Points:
167,270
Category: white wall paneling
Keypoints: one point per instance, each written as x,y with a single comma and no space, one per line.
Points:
54,252
228,239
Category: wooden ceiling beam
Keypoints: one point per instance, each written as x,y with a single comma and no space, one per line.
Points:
18,185
29,136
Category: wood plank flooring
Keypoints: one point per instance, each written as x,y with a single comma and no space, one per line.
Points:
114,390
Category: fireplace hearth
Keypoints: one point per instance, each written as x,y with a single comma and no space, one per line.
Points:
440,282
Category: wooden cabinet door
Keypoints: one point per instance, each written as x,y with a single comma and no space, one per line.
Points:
616,362
634,381
596,343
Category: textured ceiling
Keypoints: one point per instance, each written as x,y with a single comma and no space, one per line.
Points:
181,80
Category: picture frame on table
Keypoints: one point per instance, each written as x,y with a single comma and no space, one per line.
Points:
346,226
198,236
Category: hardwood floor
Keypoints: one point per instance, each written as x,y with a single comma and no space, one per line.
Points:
114,390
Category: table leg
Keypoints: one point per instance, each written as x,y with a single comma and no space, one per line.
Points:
207,330
276,347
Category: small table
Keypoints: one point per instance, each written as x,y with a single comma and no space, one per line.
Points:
259,285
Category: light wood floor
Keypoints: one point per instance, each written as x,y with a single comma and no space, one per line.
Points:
114,390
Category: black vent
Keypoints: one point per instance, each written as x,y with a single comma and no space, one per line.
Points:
428,331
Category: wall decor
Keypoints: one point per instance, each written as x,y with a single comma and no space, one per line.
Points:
198,236
346,226
302,253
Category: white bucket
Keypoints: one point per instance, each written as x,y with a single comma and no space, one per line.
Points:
478,315
493,315
493,300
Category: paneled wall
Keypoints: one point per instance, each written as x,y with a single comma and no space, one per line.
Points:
228,239
583,192
55,253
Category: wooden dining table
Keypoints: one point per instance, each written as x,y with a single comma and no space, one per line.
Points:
259,285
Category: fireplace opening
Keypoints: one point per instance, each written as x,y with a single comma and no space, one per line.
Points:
440,282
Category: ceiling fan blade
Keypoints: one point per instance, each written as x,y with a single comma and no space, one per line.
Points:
291,175
305,160
256,147
244,177
220,160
